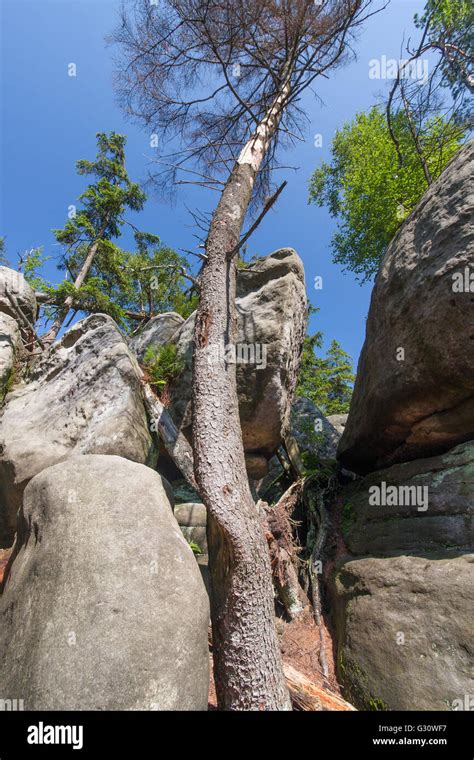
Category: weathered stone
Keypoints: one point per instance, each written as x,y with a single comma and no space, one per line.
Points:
20,291
271,318
404,623
445,482
313,432
414,393
404,630
338,421
84,398
10,346
104,606
192,519
156,332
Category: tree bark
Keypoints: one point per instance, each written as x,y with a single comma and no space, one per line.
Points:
247,658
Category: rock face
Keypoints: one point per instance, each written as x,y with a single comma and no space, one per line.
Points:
405,627
192,519
84,398
104,607
414,393
442,489
271,315
403,615
10,346
157,332
14,284
314,433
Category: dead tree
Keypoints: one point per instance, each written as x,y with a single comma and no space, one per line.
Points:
224,80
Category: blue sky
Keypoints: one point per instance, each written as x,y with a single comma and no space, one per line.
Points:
49,121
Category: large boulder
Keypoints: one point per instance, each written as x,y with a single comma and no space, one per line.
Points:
157,332
405,631
314,433
84,398
414,392
104,607
271,318
435,506
403,600
14,288
10,348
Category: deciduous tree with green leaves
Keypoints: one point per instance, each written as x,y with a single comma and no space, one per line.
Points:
368,191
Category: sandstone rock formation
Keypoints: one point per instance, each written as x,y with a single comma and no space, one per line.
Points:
403,601
271,311
84,398
405,631
10,347
414,393
192,519
314,433
104,607
14,287
156,332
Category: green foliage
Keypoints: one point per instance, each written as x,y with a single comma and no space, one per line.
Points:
163,364
327,381
450,25
196,549
368,192
103,202
147,281
31,263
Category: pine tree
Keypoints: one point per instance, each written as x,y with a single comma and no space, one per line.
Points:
89,234
130,286
326,381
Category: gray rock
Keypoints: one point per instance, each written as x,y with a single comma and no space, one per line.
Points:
156,332
422,405
104,607
10,347
271,316
403,616
85,398
314,433
22,293
404,630
338,421
440,514
192,519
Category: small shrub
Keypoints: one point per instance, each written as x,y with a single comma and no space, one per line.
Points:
163,364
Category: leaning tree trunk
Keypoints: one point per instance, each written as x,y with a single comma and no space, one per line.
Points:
247,658
49,337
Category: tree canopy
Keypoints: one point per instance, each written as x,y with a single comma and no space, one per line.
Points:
101,276
368,191
326,380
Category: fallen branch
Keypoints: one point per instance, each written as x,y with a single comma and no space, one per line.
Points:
173,439
278,532
309,697
320,524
